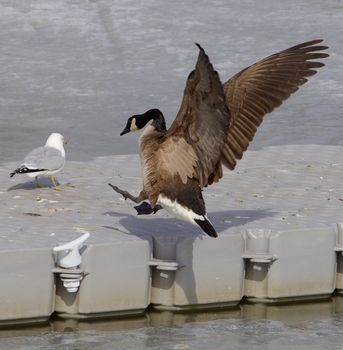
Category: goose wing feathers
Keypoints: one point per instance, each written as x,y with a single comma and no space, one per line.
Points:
192,147
258,89
216,122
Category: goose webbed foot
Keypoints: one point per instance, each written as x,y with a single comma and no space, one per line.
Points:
145,209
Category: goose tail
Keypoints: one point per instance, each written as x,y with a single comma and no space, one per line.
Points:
207,227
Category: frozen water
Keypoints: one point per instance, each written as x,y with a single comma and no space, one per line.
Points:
82,67
274,188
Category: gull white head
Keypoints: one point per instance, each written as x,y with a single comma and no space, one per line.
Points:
56,140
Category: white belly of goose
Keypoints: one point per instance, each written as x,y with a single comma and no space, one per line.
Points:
179,211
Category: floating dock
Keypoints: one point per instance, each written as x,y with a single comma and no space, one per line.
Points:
279,218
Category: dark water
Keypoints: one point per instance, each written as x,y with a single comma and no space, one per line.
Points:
82,67
310,326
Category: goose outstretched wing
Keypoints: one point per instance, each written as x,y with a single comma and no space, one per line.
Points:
260,88
216,122
193,145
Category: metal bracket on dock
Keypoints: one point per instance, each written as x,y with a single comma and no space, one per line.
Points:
71,278
68,259
257,247
164,265
259,258
339,246
163,281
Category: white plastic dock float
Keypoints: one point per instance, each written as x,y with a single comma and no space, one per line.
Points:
27,286
276,216
301,265
209,273
116,282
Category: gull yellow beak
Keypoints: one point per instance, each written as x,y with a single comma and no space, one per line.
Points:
65,141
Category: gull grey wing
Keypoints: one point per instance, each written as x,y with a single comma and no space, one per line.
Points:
46,158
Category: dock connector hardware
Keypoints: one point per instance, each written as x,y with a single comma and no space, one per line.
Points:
68,259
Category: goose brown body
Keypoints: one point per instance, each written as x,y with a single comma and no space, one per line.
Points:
167,181
214,125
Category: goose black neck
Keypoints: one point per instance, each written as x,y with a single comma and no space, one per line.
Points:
156,115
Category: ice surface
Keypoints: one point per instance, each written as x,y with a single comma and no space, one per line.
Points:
82,67
278,188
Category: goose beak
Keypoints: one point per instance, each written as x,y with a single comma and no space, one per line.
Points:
125,131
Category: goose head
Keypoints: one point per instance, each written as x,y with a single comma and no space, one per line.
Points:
139,121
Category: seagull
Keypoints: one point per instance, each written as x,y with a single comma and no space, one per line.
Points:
44,161
213,128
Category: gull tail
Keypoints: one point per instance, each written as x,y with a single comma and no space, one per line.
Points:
24,170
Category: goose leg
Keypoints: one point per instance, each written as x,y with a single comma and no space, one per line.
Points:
142,209
127,195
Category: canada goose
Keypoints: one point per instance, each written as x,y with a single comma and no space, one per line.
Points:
47,160
214,126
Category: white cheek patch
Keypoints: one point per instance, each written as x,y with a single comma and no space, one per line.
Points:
178,210
133,126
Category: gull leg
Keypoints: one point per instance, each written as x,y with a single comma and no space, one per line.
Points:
37,182
54,183
142,195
